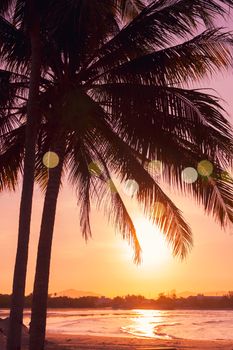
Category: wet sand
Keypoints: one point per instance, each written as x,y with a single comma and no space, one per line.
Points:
66,342
73,342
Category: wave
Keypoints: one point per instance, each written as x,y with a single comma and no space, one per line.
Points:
216,321
208,322
170,324
160,333
150,324
157,331
92,315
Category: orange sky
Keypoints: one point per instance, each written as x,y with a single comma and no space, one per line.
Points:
105,265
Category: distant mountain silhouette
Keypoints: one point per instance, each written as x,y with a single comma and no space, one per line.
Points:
73,293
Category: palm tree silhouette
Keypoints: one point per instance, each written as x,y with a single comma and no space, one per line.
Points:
122,98
31,21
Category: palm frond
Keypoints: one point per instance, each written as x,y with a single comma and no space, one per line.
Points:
14,46
4,6
74,27
6,89
87,186
80,177
147,116
121,160
11,159
122,221
180,133
219,199
10,105
151,197
214,193
129,9
192,60
118,212
157,26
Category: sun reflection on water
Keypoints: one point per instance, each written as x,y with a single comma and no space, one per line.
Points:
146,323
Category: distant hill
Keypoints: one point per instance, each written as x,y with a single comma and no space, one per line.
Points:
73,293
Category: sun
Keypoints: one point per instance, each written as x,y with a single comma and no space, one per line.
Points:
155,250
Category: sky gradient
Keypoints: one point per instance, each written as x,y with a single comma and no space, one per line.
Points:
105,264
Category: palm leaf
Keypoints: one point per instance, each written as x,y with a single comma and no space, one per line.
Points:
180,134
122,221
129,9
157,26
147,115
118,212
4,6
122,160
14,46
192,60
11,159
219,199
80,177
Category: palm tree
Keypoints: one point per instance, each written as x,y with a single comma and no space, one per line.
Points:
109,76
33,27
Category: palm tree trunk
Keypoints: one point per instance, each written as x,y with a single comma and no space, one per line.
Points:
17,302
41,282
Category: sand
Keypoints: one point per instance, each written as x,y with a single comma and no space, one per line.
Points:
66,342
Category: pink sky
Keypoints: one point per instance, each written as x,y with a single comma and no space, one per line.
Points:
105,265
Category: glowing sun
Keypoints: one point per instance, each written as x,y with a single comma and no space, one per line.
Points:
155,250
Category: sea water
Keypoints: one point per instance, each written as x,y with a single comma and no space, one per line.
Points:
165,324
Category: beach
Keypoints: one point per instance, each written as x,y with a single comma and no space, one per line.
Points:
72,342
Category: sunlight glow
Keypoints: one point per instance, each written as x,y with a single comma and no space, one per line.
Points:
154,247
146,324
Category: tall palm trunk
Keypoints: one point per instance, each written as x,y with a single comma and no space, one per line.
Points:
17,303
41,282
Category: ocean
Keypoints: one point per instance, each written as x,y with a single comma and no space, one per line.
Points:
165,324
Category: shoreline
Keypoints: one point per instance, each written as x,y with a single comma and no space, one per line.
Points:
82,342
56,341
129,309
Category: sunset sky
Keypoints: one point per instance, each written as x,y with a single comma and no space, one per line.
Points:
105,264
